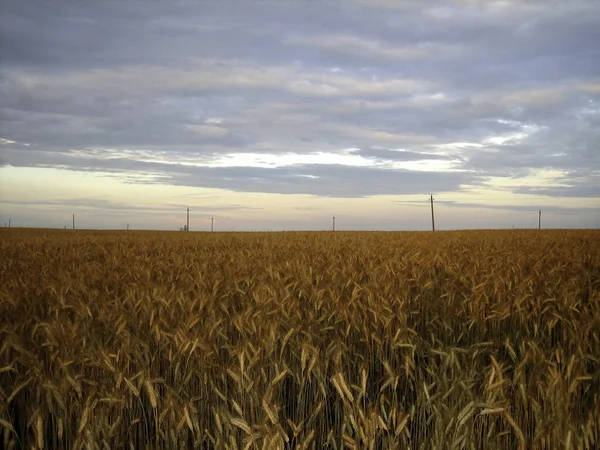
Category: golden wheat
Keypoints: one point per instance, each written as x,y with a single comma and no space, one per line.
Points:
474,339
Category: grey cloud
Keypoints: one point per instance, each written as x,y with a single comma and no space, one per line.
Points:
327,180
396,155
323,180
579,184
569,144
86,83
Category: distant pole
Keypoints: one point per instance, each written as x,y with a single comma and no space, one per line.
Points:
9,222
540,220
127,227
212,224
333,223
187,224
432,216
73,221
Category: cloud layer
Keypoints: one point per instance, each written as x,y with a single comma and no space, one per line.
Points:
405,97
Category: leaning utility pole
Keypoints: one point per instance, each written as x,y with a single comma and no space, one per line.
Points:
540,220
432,216
187,224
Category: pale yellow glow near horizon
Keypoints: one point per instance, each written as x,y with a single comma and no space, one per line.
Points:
40,187
535,178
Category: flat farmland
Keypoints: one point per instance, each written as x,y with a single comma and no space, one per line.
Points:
300,340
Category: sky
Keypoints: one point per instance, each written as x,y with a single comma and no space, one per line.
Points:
280,115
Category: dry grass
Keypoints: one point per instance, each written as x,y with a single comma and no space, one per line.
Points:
483,340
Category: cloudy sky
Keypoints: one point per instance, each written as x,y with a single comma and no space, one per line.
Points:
275,114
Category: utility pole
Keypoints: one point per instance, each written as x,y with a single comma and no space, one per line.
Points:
333,223
187,225
540,220
212,224
432,216
127,227
9,222
73,221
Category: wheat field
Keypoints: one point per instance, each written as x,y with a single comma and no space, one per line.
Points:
366,340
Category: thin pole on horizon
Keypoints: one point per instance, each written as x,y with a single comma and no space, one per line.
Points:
9,222
127,227
333,223
73,221
212,224
187,224
432,215
540,220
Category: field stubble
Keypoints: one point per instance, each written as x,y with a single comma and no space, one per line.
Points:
478,339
